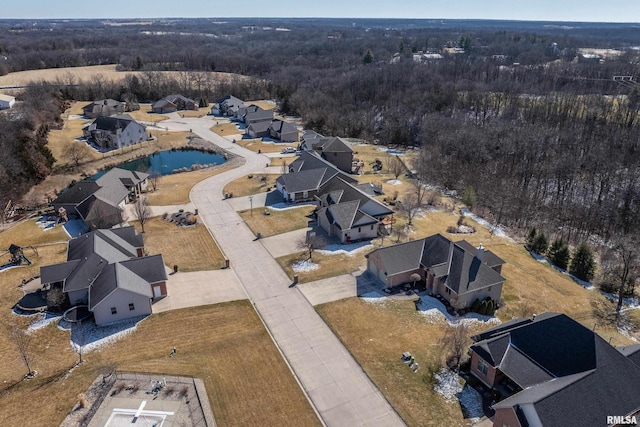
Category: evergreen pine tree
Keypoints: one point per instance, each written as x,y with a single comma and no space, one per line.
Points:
583,265
558,253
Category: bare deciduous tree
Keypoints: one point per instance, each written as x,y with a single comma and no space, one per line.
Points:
142,211
22,340
77,152
395,166
153,179
409,207
456,341
311,243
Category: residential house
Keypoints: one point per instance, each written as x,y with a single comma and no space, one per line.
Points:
227,106
283,131
554,372
344,211
106,270
173,103
348,213
258,130
457,271
99,203
115,132
253,114
306,174
335,150
308,136
103,107
6,101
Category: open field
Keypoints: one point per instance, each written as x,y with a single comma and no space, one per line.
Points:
190,248
246,186
377,336
74,74
174,189
247,381
278,222
330,265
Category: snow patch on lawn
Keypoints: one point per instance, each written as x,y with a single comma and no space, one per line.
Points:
628,303
450,387
497,230
348,249
304,266
433,310
394,182
95,337
374,298
43,320
285,206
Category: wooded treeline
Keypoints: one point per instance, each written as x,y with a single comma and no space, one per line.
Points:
550,142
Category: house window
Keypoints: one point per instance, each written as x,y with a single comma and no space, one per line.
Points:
482,367
447,290
372,227
489,289
114,310
359,229
131,306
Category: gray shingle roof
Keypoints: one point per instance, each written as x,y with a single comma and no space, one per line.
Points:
259,126
77,193
281,126
467,273
306,180
583,398
150,268
57,272
113,123
402,257
488,257
332,144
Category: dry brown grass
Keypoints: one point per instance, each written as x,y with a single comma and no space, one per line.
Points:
247,381
278,222
107,72
28,233
226,129
257,145
246,186
330,265
191,248
377,336
144,114
262,103
200,112
174,189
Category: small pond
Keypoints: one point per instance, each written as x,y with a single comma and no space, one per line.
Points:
166,162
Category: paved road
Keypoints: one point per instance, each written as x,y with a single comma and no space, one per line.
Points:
337,386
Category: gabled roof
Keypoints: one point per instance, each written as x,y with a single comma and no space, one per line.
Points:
468,273
340,191
100,104
114,123
281,126
463,270
489,258
77,193
608,385
549,346
259,126
230,100
104,260
6,98
303,181
258,115
341,214
401,258
332,144
632,352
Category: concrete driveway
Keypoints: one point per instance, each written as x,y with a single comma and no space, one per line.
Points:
200,288
330,289
285,243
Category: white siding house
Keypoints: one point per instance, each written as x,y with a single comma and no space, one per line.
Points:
6,101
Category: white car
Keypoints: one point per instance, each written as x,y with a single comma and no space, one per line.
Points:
288,150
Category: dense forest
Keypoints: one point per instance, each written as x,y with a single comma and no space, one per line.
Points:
543,134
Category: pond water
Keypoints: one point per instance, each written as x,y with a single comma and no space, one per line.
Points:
166,162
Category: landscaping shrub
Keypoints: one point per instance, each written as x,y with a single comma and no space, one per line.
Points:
475,306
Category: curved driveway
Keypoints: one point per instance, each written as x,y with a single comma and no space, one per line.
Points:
338,388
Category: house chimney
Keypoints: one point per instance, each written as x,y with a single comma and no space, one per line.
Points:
480,252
